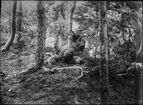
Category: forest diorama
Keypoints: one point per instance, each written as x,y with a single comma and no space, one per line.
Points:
71,52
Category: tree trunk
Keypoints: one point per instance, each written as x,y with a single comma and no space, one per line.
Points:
59,40
139,50
10,40
40,37
104,78
61,29
70,10
0,8
10,20
19,23
19,17
0,61
67,21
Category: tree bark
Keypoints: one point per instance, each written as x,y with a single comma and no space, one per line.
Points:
19,23
0,60
19,17
0,8
40,37
70,20
59,40
10,40
10,19
70,10
104,75
139,50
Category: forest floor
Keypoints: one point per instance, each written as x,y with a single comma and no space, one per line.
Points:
42,87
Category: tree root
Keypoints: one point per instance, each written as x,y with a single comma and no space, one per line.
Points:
71,67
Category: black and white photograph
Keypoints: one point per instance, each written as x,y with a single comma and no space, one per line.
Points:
56,52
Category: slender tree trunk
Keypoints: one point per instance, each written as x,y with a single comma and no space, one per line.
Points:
10,40
0,8
10,19
71,8
40,37
138,98
0,17
0,60
19,23
104,78
19,17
